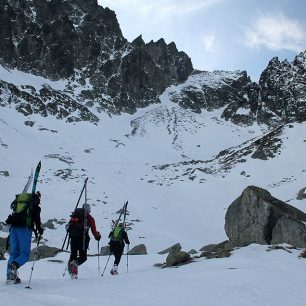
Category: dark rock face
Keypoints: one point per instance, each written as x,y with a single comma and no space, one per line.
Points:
279,98
55,37
258,217
283,90
214,90
79,41
46,101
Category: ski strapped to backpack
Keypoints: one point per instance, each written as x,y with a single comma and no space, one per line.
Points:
22,206
117,229
81,194
122,212
27,185
36,175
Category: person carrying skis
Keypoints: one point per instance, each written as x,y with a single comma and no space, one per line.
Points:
24,219
118,236
78,228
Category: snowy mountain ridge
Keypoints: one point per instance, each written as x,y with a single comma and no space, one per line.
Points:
81,44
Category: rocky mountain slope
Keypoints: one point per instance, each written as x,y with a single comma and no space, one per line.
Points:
81,44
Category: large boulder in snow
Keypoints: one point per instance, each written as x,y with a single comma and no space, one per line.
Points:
301,194
177,257
175,247
43,251
138,250
105,250
257,217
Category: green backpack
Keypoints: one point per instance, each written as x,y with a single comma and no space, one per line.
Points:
22,208
117,233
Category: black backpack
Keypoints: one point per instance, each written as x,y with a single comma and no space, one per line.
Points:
76,223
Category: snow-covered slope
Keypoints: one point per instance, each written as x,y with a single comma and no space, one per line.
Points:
166,161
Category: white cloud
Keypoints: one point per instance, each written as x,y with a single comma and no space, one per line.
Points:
276,33
209,42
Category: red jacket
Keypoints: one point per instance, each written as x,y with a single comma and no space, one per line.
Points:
92,224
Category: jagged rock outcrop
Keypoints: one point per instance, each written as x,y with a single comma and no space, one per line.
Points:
47,101
81,42
301,194
283,91
257,217
279,98
218,89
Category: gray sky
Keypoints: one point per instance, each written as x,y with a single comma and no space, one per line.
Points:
219,34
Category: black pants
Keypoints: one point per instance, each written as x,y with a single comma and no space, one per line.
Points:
116,248
77,252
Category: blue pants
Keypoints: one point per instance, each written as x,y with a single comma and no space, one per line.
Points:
20,245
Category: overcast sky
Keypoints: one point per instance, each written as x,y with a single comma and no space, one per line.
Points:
219,34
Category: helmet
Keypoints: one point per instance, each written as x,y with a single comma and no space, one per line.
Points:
87,208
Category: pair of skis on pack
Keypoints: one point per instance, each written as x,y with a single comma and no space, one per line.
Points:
123,212
33,178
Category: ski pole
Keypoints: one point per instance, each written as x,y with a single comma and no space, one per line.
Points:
35,255
65,270
98,259
106,264
127,259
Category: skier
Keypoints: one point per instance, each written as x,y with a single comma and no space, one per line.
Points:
78,229
26,214
117,238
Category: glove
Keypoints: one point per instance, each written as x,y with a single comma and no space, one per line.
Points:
98,237
40,231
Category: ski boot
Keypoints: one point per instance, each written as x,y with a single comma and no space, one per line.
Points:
114,270
12,274
73,269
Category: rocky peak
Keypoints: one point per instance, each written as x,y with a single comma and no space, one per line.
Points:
80,40
300,61
81,43
283,91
